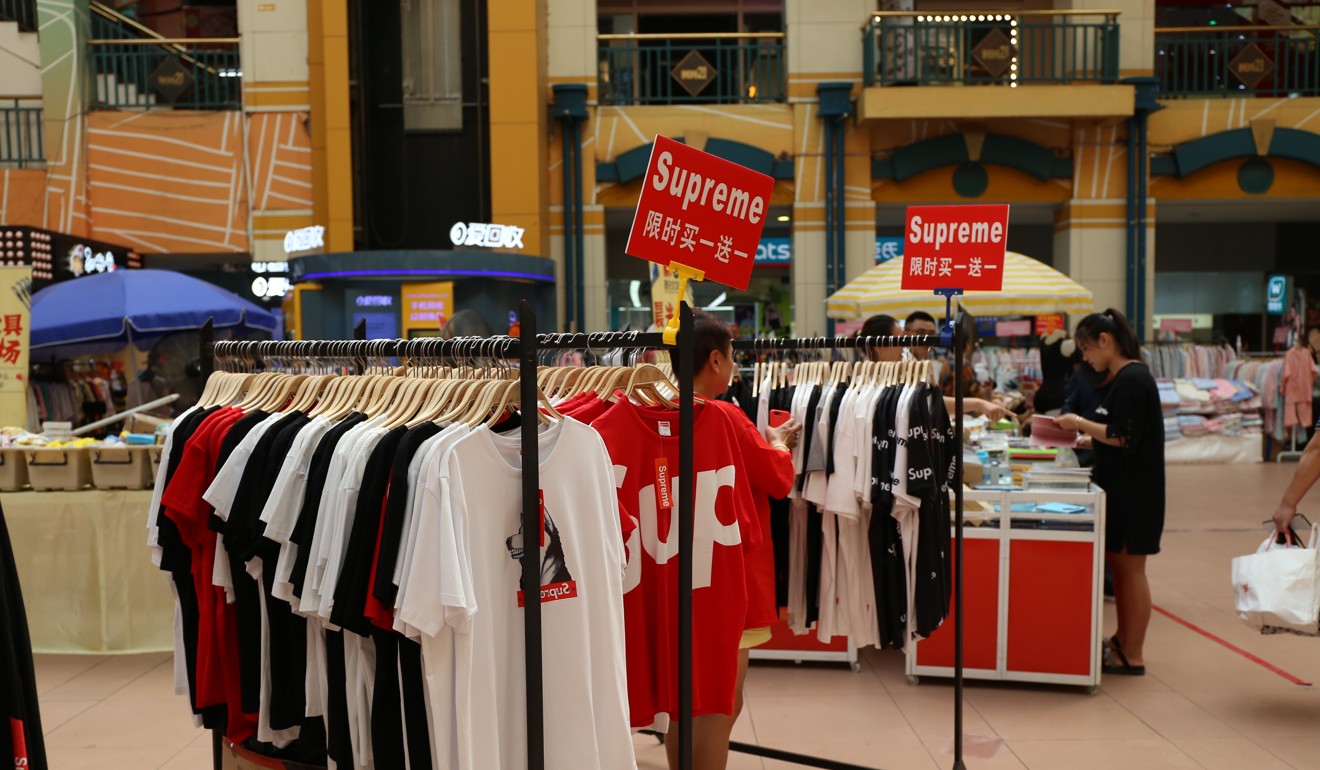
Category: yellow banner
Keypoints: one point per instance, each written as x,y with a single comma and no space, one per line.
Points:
664,295
427,307
15,317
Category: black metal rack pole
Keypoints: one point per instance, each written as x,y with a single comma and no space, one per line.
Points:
958,385
686,520
531,527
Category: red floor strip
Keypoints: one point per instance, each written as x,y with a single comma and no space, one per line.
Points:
1264,664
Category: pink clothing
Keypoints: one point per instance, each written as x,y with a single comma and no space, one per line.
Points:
1298,379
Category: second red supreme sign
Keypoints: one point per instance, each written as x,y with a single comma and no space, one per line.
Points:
955,247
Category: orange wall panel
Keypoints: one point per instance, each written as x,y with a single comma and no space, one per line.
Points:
23,197
280,161
168,181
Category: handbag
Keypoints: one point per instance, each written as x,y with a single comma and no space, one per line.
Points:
1278,586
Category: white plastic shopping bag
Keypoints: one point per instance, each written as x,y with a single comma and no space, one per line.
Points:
1279,586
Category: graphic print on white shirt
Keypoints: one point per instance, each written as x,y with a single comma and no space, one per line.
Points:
556,581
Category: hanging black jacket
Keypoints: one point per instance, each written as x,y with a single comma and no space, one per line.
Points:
21,742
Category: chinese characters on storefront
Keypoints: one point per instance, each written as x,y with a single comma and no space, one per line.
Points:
427,307
15,315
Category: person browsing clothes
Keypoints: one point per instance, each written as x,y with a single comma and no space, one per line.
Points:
887,326
1128,435
768,461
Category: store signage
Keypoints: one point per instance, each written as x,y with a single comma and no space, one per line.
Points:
774,251
272,280
374,300
888,247
779,251
955,247
693,73
304,240
486,235
84,260
1013,329
1176,325
700,211
664,295
1251,66
15,331
1276,295
170,79
426,306
995,53
1049,324
986,325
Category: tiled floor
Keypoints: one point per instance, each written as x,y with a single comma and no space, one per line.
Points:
1202,706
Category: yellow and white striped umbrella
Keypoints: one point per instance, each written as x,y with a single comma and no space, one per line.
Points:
1030,288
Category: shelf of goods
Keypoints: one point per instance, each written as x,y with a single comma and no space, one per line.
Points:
1034,582
1211,420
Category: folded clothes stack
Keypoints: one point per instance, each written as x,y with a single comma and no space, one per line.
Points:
1200,407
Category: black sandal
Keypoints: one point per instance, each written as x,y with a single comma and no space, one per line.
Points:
1123,667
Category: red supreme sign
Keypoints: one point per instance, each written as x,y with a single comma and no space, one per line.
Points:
700,211
955,247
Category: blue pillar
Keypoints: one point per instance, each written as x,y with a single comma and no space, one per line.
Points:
570,109
1138,183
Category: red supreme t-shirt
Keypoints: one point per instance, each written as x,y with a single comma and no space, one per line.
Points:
770,474
643,445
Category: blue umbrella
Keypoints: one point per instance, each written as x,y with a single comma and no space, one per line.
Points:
103,313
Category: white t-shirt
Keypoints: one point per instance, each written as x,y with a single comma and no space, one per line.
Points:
286,501
319,546
470,524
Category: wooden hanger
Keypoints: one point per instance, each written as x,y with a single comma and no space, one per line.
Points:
412,402
644,379
280,392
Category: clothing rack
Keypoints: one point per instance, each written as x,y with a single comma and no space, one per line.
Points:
953,336
526,348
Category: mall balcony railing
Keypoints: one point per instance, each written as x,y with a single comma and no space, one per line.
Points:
990,47
23,12
21,143
137,68
1238,61
698,68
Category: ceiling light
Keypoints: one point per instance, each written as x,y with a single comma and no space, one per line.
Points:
783,218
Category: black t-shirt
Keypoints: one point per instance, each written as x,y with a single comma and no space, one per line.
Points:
928,451
391,537
354,576
888,571
241,533
1132,475
176,558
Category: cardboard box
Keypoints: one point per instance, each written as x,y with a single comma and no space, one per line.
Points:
121,467
66,469
13,470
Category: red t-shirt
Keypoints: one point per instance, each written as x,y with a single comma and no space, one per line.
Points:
217,637
770,473
645,462
587,408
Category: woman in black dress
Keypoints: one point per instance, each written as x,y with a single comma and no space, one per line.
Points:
1128,435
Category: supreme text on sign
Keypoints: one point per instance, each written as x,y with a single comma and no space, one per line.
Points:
700,211
955,247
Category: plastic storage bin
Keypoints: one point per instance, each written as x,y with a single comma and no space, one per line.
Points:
68,469
121,467
13,470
